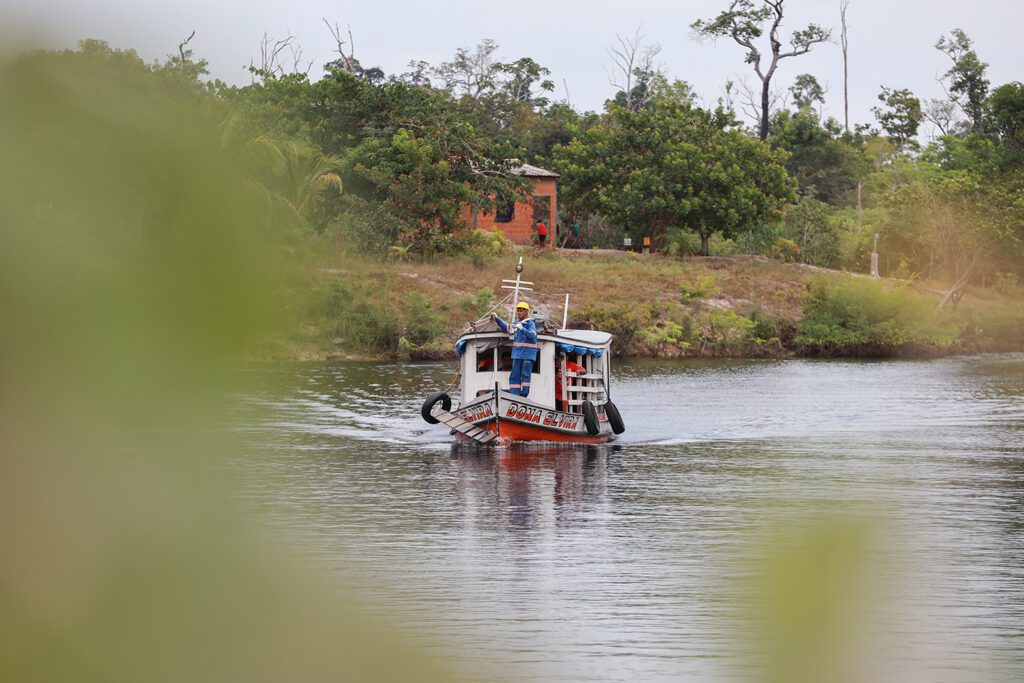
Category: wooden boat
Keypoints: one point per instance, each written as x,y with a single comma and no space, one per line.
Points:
569,394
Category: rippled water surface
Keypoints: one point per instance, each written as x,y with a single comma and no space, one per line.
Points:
620,562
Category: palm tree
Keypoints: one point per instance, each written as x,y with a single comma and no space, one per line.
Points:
298,177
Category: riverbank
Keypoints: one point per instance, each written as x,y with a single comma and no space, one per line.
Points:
348,307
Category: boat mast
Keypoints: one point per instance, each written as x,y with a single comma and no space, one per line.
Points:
517,285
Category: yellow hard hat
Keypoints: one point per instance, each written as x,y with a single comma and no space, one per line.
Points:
523,304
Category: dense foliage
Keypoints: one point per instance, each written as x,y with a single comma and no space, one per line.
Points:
674,165
867,319
391,164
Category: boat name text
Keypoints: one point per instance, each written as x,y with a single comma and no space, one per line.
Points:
547,418
476,413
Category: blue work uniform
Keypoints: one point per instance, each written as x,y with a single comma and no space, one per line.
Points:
524,351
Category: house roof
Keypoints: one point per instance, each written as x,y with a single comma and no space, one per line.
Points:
534,172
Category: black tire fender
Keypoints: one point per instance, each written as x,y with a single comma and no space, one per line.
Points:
614,419
590,418
431,401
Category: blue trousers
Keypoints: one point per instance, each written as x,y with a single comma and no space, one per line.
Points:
519,380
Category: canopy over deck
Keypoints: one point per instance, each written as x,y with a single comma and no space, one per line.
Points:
591,342
582,337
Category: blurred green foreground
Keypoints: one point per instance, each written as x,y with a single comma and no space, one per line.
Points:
133,268
135,265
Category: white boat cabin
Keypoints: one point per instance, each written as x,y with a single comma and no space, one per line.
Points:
486,361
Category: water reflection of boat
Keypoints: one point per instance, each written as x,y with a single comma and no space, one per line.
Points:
534,485
568,396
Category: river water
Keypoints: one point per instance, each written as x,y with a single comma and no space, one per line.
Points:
652,558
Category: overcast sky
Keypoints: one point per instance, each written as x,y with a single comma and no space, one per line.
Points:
891,41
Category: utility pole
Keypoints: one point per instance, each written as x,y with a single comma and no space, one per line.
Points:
874,259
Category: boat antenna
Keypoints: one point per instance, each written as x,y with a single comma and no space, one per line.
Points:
565,312
517,285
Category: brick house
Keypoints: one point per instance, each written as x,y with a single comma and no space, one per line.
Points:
516,220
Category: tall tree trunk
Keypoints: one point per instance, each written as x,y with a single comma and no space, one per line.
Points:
763,132
846,75
704,244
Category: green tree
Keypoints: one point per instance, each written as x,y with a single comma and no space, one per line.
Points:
411,157
811,226
522,76
806,90
901,116
968,86
673,165
1006,117
539,132
745,22
277,107
942,219
826,162
296,178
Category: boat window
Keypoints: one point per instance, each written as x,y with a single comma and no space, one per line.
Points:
503,353
485,360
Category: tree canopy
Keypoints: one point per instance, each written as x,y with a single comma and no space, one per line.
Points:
394,162
674,165
745,21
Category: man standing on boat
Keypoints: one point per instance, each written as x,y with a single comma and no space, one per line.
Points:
524,349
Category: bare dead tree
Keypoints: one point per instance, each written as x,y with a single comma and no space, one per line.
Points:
633,69
956,292
298,66
845,42
749,98
347,62
471,72
182,44
942,115
270,56
743,22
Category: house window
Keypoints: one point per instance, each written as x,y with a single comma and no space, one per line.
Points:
504,210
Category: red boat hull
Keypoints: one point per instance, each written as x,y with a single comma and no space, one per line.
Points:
519,420
515,431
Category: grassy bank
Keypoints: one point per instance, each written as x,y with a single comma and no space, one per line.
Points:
350,307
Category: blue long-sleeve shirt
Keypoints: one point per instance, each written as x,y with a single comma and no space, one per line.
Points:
524,345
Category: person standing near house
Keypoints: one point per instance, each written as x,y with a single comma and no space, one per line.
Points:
524,349
542,233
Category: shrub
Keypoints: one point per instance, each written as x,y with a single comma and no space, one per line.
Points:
1009,284
369,317
680,243
864,318
703,288
666,334
479,304
421,323
727,328
786,250
622,320
766,327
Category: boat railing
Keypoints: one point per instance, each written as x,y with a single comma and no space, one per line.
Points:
586,387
